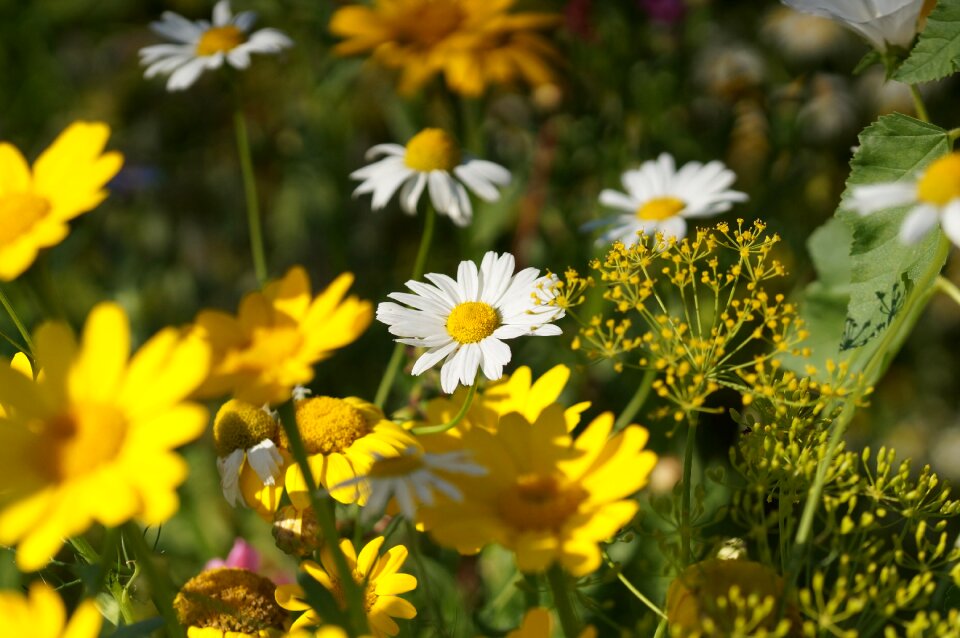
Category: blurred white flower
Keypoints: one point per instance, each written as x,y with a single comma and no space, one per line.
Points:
202,46
802,37
881,22
431,158
660,198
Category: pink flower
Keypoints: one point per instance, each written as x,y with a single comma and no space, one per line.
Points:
241,555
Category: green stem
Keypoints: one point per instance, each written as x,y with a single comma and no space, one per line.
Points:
918,104
250,192
352,593
947,287
661,628
108,557
160,587
562,601
633,590
443,427
686,529
16,321
637,401
953,134
383,390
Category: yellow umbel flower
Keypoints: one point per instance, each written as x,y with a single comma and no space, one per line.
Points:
41,614
474,43
277,336
92,439
377,574
229,603
547,497
67,180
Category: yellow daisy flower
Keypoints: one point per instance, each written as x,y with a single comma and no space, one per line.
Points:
538,623
41,614
230,603
379,575
547,497
67,180
19,363
92,439
277,336
474,43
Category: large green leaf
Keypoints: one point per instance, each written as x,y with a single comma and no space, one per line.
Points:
872,287
937,53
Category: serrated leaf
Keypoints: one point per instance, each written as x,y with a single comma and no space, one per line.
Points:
937,53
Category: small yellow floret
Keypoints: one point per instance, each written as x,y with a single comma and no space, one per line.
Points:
940,183
240,426
660,208
231,600
472,321
432,149
329,425
220,40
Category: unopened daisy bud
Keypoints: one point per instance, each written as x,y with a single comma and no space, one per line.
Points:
229,600
244,437
296,532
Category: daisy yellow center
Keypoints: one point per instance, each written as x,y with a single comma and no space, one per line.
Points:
18,213
432,149
240,426
229,600
540,502
472,321
220,40
940,183
82,440
660,208
396,466
428,22
329,425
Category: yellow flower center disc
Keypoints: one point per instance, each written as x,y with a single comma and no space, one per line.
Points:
941,182
472,321
432,149
660,208
429,23
220,40
82,440
18,213
231,600
329,425
539,502
240,426
394,466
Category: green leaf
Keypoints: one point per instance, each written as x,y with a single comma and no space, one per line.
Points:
937,53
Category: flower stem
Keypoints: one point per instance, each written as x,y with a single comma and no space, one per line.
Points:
947,287
160,587
686,529
637,401
953,134
633,590
383,390
918,104
325,516
250,192
443,427
16,321
562,601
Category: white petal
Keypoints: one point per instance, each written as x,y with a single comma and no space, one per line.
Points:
229,468
186,75
950,221
239,58
920,221
411,192
873,197
244,20
441,194
618,200
495,355
268,41
379,150
674,226
177,28
265,460
468,279
222,13
430,358
476,182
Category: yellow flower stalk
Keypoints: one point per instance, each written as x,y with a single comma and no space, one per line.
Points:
92,440
67,180
473,43
277,336
41,614
547,497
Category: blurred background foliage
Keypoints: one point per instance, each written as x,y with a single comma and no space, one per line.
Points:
766,90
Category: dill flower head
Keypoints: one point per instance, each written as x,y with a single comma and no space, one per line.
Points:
230,602
41,614
473,43
92,439
66,181
201,46
547,497
245,438
277,336
379,575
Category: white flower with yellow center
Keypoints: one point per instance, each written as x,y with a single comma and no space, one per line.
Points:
202,46
660,198
244,437
935,194
464,321
431,160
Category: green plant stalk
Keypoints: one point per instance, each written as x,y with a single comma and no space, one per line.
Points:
946,286
563,601
918,104
19,324
250,193
383,390
637,401
352,593
443,427
633,590
160,587
686,529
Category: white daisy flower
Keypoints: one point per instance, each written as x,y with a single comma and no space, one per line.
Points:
880,22
464,322
431,160
202,46
414,478
660,198
934,194
244,437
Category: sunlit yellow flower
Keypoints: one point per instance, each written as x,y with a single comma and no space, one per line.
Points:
230,603
277,336
474,43
547,497
92,439
538,623
379,576
20,363
246,440
67,180
41,614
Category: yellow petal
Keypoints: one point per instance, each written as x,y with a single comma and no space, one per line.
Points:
14,172
96,374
